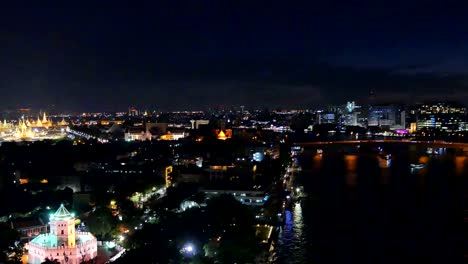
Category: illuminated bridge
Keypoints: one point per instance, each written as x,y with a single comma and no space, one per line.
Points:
411,144
435,144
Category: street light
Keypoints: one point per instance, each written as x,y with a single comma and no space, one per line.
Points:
188,249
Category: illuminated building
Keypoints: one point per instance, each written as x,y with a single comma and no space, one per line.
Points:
108,122
218,171
63,242
62,123
30,130
28,228
153,130
387,116
223,134
6,126
413,128
45,122
197,123
132,111
168,175
349,114
247,197
40,123
23,131
176,135
325,117
448,116
136,133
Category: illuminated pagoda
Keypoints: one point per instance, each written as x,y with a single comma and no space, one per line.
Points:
4,126
62,123
223,134
63,243
44,123
23,131
32,130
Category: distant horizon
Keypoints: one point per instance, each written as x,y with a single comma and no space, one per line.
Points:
36,110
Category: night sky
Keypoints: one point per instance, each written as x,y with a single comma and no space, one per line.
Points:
198,54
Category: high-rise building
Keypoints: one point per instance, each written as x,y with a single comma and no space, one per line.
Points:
133,111
350,115
389,116
445,116
325,117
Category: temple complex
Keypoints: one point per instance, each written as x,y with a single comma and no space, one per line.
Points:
31,130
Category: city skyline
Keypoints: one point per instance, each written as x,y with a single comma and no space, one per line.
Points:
193,55
234,132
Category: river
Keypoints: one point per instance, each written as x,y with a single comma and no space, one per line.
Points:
362,210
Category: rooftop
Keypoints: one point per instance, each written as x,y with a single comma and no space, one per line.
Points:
61,214
235,186
46,240
51,241
26,222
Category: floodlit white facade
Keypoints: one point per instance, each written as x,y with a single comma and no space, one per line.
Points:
63,242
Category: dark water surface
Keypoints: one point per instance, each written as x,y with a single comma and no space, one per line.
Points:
363,210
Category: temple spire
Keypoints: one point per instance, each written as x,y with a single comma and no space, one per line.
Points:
38,122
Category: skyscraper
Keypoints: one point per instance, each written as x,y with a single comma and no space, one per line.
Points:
447,116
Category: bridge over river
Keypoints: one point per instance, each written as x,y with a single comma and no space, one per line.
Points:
434,144
461,149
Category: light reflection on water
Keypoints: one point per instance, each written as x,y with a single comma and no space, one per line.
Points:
298,237
292,240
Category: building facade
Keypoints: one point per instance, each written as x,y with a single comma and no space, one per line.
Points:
444,116
247,197
63,243
28,228
389,116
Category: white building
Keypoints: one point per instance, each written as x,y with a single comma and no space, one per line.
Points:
247,197
133,134
62,243
197,123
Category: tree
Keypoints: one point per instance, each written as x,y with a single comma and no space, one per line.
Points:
129,211
240,245
11,250
234,221
101,223
144,243
201,260
224,210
